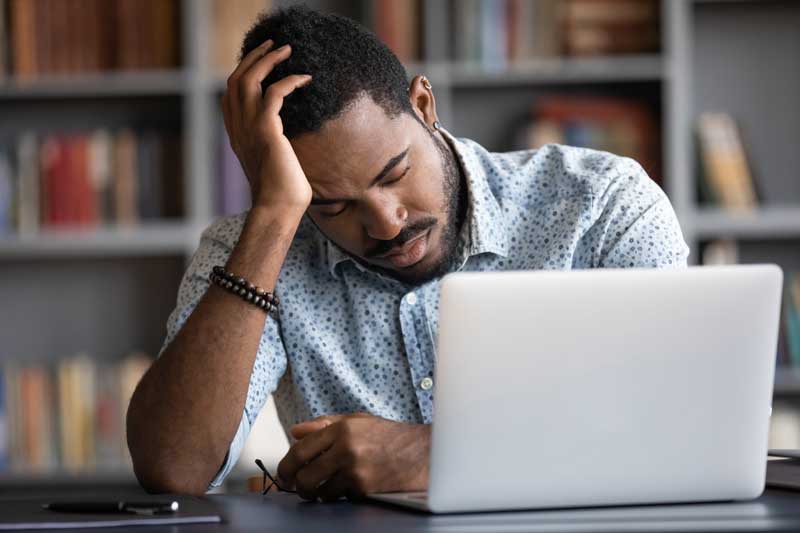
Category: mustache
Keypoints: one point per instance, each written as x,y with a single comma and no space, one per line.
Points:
406,234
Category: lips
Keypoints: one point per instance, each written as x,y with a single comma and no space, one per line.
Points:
410,253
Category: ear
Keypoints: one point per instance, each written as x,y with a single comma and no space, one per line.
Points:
420,93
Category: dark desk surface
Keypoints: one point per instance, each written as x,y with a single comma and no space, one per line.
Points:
776,510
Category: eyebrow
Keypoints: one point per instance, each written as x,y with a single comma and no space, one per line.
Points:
382,174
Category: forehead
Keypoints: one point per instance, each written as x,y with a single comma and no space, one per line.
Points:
352,148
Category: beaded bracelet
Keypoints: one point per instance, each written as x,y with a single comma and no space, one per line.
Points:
241,287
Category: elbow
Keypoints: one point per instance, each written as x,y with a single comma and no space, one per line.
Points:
158,477
158,466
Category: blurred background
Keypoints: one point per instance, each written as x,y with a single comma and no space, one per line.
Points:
113,158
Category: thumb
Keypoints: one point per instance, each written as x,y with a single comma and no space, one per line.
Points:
304,429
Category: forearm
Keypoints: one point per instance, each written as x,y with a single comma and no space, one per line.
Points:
188,405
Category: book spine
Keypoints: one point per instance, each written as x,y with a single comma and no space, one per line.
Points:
23,41
792,313
5,430
4,40
7,193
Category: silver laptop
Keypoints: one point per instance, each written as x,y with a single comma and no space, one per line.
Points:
601,387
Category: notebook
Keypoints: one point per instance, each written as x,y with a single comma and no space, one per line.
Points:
784,473
28,514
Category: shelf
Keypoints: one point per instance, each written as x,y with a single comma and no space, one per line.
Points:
560,71
217,81
145,239
131,83
765,223
787,381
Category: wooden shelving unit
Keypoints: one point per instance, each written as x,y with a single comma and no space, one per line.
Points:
671,75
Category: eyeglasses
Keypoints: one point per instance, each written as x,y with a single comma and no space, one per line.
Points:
272,480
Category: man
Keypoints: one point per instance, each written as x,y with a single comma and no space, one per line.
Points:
361,202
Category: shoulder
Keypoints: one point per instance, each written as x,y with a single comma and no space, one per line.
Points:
556,172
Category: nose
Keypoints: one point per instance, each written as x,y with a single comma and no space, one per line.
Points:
384,220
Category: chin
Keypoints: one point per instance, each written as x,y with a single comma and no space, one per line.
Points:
423,271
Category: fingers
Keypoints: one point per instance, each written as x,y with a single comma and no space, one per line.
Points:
254,55
275,93
334,488
302,452
233,80
249,85
302,429
243,98
319,470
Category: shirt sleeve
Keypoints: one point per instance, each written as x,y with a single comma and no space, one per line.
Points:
270,363
635,224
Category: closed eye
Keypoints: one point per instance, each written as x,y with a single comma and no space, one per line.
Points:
398,178
382,184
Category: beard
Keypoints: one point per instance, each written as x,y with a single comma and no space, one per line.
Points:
454,208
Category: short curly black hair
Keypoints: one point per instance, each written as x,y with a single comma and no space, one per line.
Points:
345,60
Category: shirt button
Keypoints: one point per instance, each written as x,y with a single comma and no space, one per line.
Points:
411,298
426,384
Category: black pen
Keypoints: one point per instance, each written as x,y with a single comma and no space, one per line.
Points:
143,508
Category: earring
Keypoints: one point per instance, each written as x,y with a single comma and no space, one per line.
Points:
426,83
436,125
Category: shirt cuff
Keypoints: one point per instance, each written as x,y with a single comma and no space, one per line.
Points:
235,450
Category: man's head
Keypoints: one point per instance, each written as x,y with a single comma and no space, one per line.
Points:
386,187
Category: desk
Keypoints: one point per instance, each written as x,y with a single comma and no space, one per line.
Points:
775,510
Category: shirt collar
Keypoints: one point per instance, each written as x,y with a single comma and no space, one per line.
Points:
485,230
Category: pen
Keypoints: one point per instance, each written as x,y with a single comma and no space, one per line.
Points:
144,508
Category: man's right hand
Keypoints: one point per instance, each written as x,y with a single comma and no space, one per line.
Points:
256,134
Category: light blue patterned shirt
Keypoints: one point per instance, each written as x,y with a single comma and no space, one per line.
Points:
349,339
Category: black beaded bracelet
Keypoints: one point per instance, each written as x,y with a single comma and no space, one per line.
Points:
241,287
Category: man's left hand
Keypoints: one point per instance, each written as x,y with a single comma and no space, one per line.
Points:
352,455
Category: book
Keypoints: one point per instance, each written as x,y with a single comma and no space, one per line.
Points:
84,179
27,514
5,435
721,252
606,27
622,126
784,427
7,193
495,33
397,24
783,473
126,173
547,36
27,169
724,167
467,35
67,416
100,168
791,313
23,43
3,40
57,36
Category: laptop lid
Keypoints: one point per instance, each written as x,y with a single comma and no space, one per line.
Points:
602,387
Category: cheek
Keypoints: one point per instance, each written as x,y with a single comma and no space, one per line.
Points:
429,194
428,188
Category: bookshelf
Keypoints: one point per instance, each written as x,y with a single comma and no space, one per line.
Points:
694,69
